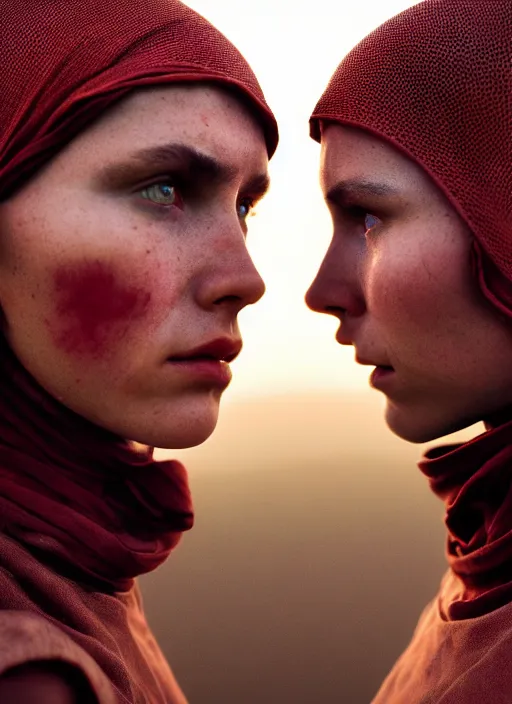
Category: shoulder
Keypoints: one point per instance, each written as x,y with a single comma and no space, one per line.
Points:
45,683
40,655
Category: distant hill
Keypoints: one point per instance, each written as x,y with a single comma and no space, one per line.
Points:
317,543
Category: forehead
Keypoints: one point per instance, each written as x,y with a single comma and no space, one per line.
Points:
352,153
209,118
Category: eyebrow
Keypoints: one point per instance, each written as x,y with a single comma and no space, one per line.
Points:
195,165
351,188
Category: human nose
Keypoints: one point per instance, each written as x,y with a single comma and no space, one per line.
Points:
230,279
337,287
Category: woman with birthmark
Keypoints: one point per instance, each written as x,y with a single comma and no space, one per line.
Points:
134,142
415,129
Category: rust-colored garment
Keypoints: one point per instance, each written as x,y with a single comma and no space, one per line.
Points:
454,662
63,62
435,82
45,617
461,651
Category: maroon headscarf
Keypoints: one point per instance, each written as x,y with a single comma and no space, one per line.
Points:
436,82
63,62
86,501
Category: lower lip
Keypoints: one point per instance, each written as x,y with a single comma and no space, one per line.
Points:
381,376
210,370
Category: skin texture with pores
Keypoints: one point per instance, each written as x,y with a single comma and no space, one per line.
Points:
397,275
129,249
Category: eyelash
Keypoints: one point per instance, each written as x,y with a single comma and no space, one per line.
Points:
248,203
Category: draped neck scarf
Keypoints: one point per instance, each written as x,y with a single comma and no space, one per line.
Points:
474,479
98,509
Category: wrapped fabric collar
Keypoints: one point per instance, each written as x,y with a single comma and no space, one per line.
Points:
474,480
96,508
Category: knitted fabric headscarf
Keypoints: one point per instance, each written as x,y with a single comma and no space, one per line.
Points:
436,82
63,62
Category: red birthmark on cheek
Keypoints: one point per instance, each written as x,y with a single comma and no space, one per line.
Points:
94,309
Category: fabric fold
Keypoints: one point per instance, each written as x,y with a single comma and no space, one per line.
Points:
474,479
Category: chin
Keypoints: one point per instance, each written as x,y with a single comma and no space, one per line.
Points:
173,441
416,436
182,426
419,426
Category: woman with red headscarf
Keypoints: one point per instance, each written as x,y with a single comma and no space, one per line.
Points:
134,142
416,128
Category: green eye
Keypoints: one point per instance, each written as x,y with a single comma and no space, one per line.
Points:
160,193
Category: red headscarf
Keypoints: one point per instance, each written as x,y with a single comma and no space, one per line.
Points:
79,497
63,62
436,82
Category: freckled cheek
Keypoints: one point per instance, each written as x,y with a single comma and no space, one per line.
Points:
99,311
404,295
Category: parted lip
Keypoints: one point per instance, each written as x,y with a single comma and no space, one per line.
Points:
223,349
366,362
